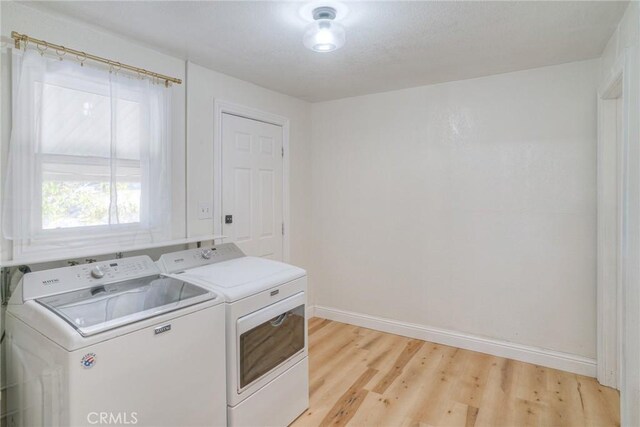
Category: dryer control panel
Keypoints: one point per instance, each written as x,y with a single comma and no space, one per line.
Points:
176,262
59,280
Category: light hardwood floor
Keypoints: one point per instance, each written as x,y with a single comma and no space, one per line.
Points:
362,377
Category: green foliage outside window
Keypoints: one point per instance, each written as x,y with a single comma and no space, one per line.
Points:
86,203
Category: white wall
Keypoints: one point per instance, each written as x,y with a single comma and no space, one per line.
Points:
468,206
203,88
623,48
24,19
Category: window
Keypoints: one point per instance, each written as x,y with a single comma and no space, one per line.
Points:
88,157
75,159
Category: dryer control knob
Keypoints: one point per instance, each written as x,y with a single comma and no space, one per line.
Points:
206,253
97,272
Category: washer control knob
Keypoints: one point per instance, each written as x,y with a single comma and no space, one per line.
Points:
97,272
206,253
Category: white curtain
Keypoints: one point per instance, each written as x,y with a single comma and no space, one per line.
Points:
89,156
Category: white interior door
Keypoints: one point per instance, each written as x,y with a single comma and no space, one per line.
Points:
252,186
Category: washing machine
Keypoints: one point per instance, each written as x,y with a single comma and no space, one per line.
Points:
114,343
266,330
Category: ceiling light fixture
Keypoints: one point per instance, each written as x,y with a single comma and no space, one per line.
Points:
324,34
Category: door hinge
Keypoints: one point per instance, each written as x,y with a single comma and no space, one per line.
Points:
283,228
282,151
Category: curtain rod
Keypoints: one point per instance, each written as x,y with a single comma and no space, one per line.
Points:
42,45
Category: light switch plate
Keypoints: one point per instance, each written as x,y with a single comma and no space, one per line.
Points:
204,210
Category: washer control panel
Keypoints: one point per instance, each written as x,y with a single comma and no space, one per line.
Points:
117,269
176,262
59,280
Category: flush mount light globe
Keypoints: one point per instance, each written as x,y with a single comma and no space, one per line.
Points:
324,34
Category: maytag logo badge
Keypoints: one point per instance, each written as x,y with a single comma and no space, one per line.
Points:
162,329
50,281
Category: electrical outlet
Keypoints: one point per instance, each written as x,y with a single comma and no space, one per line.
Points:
204,210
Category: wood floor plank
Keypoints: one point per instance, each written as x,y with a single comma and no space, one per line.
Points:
565,401
323,364
410,349
329,358
361,377
455,414
470,386
600,404
327,337
317,326
348,403
496,403
436,394
472,415
325,397
314,321
405,395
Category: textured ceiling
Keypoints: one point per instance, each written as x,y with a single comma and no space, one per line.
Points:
390,45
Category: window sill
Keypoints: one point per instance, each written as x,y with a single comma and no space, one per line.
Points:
104,250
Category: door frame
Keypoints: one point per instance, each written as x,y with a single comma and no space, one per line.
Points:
612,147
221,107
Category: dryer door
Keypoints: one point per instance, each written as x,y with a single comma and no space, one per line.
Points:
270,337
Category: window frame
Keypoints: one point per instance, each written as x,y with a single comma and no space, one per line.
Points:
37,220
69,241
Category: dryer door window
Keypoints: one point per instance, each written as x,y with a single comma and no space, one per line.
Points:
267,345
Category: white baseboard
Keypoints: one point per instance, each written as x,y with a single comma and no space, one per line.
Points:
538,356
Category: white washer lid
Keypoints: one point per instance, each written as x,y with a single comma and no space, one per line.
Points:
103,307
242,277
